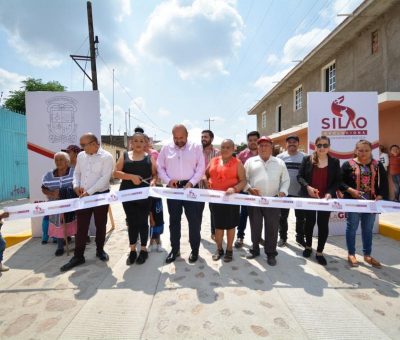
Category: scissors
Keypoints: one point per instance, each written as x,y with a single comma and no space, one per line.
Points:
146,180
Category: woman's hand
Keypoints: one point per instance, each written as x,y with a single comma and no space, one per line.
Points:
255,191
136,179
378,198
354,193
230,191
312,192
328,196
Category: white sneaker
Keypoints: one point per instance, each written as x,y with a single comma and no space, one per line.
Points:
159,248
3,268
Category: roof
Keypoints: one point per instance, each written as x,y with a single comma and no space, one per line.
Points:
349,29
113,140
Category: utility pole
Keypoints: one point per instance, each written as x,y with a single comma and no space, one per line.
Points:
129,119
93,41
92,46
209,120
113,105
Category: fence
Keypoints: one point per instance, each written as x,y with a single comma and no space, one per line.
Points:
14,181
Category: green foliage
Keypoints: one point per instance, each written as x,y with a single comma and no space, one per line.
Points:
16,100
241,147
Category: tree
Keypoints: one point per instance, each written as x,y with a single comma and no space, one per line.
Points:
16,100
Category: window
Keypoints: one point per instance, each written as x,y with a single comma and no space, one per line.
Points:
298,98
278,118
374,42
329,77
264,120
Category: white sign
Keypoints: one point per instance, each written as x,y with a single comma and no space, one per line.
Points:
54,121
344,117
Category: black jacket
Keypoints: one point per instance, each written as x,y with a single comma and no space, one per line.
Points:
348,180
305,175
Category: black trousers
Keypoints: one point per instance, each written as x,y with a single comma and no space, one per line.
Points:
193,212
137,215
322,219
283,223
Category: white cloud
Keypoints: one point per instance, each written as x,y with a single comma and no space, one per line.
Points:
9,81
339,7
266,83
125,10
125,52
163,112
272,59
196,38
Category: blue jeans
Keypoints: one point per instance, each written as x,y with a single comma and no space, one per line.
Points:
367,225
2,247
45,228
396,184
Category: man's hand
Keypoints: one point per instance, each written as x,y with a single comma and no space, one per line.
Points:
84,194
172,183
188,185
281,194
354,193
255,191
79,191
4,215
153,182
328,196
204,181
378,198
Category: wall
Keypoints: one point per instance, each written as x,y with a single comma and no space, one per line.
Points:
14,180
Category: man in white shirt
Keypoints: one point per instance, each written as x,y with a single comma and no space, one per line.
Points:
92,176
266,176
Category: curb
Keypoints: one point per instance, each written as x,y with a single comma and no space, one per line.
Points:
12,240
389,230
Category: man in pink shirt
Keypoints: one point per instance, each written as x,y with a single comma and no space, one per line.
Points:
250,151
181,165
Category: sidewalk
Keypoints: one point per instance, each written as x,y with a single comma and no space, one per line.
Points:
245,299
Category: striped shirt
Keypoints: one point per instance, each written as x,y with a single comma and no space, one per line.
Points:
210,154
51,182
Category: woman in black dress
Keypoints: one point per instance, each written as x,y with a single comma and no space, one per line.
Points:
137,169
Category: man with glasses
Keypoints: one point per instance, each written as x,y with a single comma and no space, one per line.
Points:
92,176
292,158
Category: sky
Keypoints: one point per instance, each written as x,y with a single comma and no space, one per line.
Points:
174,61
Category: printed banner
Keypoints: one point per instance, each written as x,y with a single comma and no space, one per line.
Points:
199,195
54,121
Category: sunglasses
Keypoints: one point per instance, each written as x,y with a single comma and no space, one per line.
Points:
319,146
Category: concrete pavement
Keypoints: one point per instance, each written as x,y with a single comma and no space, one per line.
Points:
243,299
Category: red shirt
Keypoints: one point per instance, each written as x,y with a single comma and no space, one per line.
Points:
223,176
320,180
245,155
394,165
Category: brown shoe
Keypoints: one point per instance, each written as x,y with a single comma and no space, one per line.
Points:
352,261
374,263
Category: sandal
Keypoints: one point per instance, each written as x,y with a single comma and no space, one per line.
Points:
228,256
352,261
374,263
217,255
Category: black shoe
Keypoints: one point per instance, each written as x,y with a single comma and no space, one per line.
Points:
75,261
172,256
217,255
44,242
228,256
281,243
88,240
300,241
239,243
59,252
321,260
143,255
271,260
307,252
252,254
102,255
193,257
131,258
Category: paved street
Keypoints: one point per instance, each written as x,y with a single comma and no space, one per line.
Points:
297,299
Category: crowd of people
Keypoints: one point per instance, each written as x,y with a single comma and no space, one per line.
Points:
261,169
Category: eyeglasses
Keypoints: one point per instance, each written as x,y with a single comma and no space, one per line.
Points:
83,145
325,146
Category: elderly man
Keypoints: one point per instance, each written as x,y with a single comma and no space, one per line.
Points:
266,176
92,176
181,165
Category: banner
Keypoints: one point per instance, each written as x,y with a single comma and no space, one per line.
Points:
54,121
344,117
200,195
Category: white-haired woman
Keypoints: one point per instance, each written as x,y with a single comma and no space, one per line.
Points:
57,184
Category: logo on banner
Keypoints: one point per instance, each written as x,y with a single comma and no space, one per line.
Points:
373,207
263,201
112,197
336,205
62,127
191,194
38,210
344,120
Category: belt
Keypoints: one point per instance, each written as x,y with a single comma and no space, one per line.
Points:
101,192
